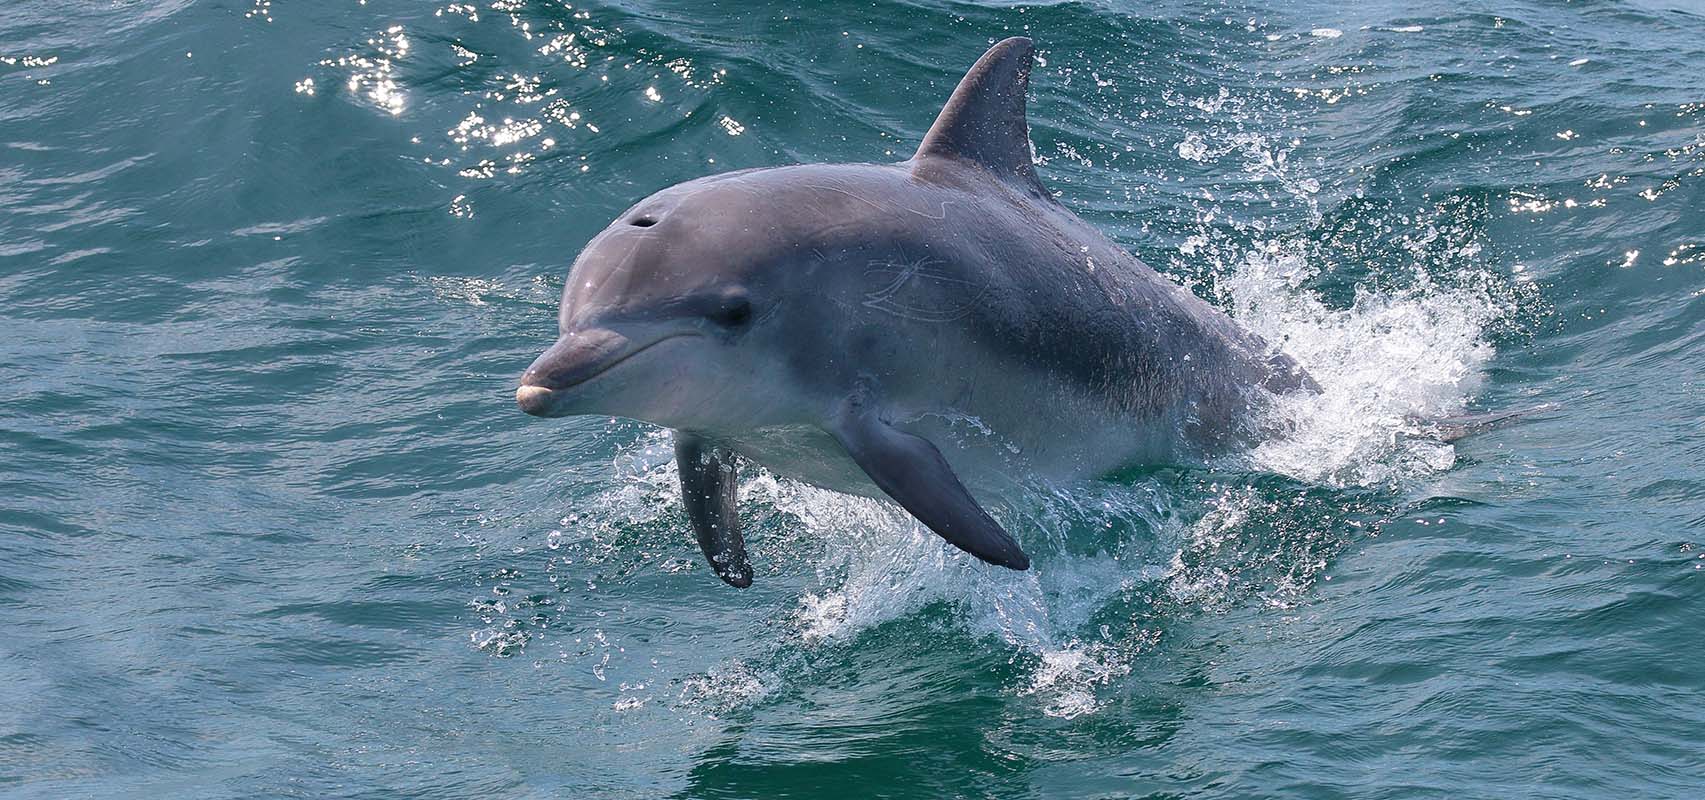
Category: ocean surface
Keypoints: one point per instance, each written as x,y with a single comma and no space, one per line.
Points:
272,526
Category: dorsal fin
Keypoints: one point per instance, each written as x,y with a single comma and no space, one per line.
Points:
983,122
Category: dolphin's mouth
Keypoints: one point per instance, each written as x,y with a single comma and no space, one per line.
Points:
572,362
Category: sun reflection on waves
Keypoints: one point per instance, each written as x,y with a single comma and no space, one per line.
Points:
372,75
530,84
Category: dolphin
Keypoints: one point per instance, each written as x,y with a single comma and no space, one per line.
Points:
937,331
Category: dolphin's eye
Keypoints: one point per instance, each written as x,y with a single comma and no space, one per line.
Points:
734,313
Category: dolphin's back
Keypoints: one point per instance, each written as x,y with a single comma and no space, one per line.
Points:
1022,274
955,261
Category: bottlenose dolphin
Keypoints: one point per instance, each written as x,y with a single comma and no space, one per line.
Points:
931,331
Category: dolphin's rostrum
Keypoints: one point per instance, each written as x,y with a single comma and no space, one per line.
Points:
931,331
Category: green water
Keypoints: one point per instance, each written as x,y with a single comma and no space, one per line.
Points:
271,525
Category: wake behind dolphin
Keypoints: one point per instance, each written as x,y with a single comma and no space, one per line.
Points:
935,331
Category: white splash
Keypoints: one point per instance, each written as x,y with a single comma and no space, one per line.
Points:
727,688
879,565
1386,364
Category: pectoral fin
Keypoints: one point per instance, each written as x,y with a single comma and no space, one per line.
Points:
910,470
710,489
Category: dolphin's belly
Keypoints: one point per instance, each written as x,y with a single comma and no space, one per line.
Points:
993,447
805,453
1009,422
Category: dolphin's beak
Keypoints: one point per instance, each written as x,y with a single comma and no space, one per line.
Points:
576,358
548,386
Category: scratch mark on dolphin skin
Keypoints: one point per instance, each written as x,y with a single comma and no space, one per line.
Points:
897,276
939,217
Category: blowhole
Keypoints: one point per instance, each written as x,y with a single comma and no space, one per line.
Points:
642,222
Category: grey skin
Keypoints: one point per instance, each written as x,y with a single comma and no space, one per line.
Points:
932,331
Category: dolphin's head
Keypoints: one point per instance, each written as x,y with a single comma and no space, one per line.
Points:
673,314
836,296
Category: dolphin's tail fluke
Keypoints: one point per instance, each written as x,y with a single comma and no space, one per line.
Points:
1462,426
